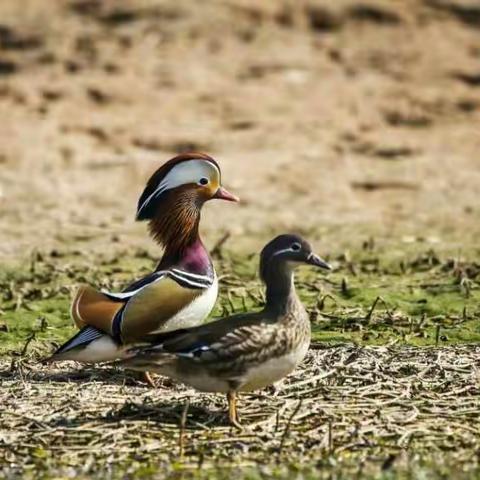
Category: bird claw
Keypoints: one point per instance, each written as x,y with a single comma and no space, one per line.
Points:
149,380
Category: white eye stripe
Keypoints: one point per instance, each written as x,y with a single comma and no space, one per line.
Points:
161,188
190,171
285,250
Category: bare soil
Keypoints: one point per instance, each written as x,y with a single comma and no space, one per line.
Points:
332,118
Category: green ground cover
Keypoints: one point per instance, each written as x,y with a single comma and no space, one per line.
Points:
374,295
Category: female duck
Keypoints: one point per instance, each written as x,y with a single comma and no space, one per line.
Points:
242,352
181,291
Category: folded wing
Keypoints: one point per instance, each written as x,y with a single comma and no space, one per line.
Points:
143,307
224,340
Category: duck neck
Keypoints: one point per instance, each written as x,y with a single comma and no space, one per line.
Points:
281,294
176,228
192,258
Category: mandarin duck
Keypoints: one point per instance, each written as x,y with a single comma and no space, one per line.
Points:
182,290
242,352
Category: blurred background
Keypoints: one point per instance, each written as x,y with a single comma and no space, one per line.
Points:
344,119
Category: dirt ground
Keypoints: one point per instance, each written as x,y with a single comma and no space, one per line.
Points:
326,117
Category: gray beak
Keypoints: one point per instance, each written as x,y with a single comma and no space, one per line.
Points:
315,260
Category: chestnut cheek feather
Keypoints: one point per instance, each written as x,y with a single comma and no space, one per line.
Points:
175,222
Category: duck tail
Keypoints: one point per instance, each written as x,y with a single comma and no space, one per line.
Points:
89,345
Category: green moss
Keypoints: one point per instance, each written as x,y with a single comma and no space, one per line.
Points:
48,320
426,298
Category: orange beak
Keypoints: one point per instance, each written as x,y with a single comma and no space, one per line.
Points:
223,194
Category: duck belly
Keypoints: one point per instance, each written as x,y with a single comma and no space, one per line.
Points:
197,378
272,370
206,383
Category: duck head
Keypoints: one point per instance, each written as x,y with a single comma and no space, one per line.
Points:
277,262
192,176
285,252
175,194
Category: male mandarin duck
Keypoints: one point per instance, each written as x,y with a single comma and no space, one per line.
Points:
242,352
182,290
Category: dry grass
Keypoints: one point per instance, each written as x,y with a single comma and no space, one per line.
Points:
356,409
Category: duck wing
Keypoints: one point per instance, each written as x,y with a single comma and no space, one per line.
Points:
226,339
143,307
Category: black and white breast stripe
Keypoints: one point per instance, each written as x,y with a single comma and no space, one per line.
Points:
190,280
183,278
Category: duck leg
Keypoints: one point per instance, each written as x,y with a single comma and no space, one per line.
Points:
148,379
232,409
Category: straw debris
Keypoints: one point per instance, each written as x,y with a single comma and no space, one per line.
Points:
367,406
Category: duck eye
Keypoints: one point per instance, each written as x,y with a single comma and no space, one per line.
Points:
203,181
296,247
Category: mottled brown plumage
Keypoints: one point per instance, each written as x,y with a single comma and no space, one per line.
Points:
242,352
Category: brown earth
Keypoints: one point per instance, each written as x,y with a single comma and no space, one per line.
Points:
326,117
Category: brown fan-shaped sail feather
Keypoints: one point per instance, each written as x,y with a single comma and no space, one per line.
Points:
90,307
